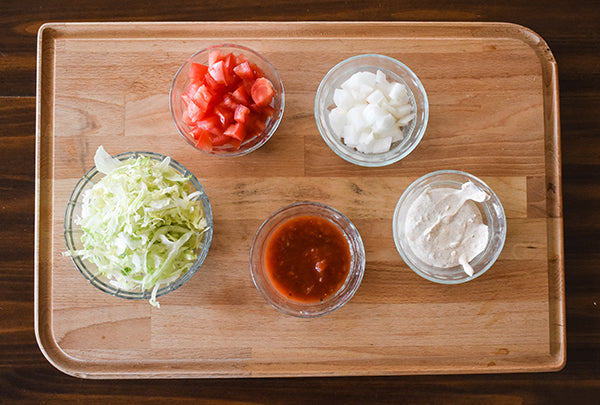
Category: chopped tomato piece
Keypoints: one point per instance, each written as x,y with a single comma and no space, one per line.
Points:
262,92
256,125
194,112
186,118
244,71
229,61
220,140
191,90
213,85
210,124
217,72
229,102
241,95
203,139
235,143
197,72
186,99
225,115
236,131
229,64
257,71
226,140
241,58
214,56
265,111
203,98
241,113
247,84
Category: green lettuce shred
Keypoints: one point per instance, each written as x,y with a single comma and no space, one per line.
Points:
141,225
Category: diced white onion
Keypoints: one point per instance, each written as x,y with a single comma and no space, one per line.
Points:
338,120
376,96
343,99
370,112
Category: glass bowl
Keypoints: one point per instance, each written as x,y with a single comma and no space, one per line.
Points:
281,301
181,82
492,215
394,71
73,232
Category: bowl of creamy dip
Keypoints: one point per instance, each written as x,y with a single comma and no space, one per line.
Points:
449,227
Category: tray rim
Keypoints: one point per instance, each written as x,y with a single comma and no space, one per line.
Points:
556,360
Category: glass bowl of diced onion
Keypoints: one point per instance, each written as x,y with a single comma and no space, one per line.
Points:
371,110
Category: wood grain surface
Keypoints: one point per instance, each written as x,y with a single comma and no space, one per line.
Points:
572,35
492,98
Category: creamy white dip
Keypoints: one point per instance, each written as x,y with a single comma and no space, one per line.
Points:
444,227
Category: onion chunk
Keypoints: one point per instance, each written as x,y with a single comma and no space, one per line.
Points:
370,112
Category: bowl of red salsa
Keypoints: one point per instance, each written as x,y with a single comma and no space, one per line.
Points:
226,100
307,259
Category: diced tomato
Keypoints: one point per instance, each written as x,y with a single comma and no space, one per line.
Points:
198,132
220,140
186,99
247,84
210,124
213,85
241,114
227,102
235,143
229,61
203,139
229,64
197,72
217,72
225,115
204,98
241,96
241,58
244,71
257,71
263,111
194,113
262,92
256,124
226,140
185,116
236,131
214,56
191,90
268,111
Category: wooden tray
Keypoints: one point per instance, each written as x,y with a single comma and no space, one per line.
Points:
493,112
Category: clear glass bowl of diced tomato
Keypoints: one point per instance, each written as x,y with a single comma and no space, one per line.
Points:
227,100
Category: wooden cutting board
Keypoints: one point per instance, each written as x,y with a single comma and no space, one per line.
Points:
493,98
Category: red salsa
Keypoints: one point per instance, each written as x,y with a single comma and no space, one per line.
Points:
307,259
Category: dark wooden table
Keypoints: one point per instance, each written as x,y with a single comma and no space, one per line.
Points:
572,31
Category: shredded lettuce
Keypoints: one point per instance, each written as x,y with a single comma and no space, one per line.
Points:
141,225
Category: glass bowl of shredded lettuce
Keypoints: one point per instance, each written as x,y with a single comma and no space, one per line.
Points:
138,225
